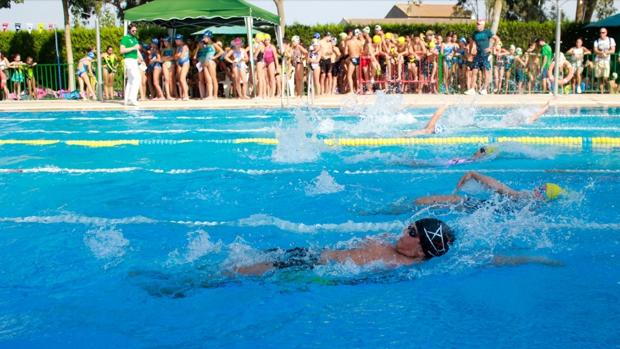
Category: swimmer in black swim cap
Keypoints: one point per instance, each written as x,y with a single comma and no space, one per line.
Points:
420,241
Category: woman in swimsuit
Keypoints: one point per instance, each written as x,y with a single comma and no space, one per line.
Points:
31,83
169,68
238,58
509,65
260,68
4,65
156,68
17,77
213,52
313,59
182,58
498,53
84,70
576,58
110,67
447,51
298,54
272,66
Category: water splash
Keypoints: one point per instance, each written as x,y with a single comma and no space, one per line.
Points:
323,184
106,243
298,143
199,244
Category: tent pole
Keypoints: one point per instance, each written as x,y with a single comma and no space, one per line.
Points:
99,67
283,75
249,24
125,25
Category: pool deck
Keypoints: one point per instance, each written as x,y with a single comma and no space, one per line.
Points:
337,101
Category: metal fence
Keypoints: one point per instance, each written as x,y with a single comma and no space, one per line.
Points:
438,74
48,80
511,76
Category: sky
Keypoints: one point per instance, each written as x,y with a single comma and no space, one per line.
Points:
300,11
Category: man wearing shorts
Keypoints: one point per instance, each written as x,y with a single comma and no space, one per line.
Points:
483,38
604,47
547,56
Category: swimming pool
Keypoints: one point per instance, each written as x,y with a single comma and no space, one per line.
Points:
117,226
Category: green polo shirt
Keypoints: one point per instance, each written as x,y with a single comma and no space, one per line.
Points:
547,52
130,41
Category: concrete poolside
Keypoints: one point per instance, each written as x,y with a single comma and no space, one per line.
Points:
583,100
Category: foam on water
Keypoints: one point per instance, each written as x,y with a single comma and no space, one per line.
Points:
298,143
198,245
106,243
323,184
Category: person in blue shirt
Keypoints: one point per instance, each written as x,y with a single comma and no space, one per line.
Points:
483,38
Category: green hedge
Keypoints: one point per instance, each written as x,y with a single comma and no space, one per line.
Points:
41,45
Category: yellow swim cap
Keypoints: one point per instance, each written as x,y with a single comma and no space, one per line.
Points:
431,45
489,149
401,40
260,37
376,39
388,36
266,37
552,191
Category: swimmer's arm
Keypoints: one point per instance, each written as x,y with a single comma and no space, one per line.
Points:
490,183
540,112
502,261
254,269
430,127
439,199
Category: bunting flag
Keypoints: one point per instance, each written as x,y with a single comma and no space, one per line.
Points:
5,26
40,27
50,27
29,27
18,27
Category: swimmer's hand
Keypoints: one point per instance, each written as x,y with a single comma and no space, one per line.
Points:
520,260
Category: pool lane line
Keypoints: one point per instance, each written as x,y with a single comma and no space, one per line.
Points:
260,172
594,142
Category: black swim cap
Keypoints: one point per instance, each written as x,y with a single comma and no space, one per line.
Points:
435,236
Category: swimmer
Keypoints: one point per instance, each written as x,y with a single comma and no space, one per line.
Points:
419,242
485,152
432,127
543,193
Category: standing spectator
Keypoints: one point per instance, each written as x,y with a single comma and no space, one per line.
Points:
31,83
17,78
130,48
604,47
547,55
4,65
576,57
110,67
84,71
483,38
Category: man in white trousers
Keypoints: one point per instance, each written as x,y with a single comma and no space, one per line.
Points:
130,49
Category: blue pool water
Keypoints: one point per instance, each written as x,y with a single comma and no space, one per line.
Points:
129,245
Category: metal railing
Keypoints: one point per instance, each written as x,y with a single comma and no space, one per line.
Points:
434,74
511,77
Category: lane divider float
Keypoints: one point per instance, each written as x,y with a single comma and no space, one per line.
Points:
576,141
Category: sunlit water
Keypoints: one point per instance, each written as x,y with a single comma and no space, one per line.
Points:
130,246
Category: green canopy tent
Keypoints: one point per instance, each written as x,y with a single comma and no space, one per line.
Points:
233,30
609,22
201,13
